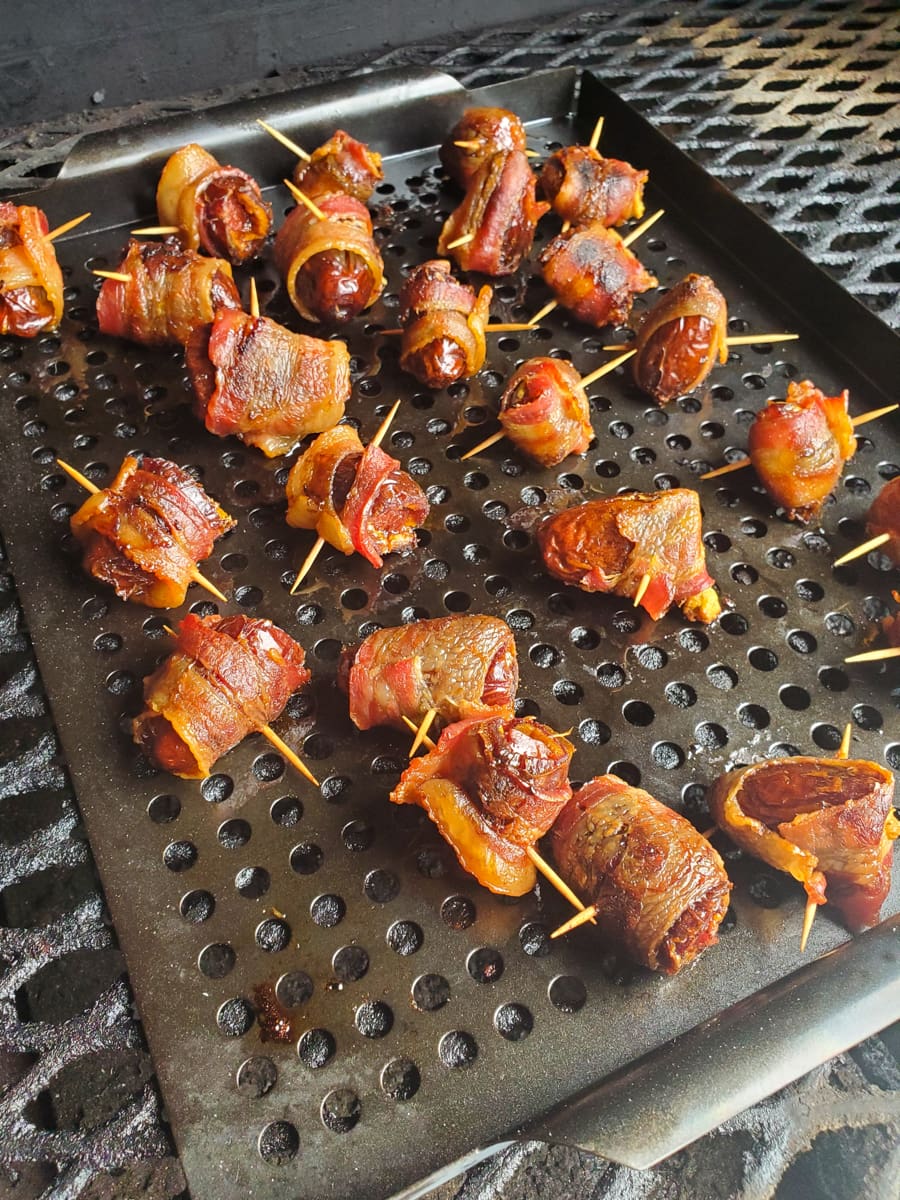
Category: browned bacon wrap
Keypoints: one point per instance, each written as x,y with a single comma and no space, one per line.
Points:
826,822
494,129
799,446
169,293
146,532
500,209
218,209
443,325
462,666
545,412
680,339
492,787
356,498
268,386
332,269
31,283
226,677
342,164
608,545
592,273
660,888
583,186
884,517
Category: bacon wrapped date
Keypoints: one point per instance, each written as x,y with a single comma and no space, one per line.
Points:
608,545
443,325
145,533
680,339
463,666
583,186
593,274
218,209
356,498
342,164
501,211
31,283
826,822
170,291
884,517
494,129
545,412
798,447
226,677
268,386
332,269
660,888
492,787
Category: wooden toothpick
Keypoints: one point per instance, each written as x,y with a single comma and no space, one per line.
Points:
422,731
155,230
254,298
61,229
642,588
874,655
461,241
285,141
302,198
119,276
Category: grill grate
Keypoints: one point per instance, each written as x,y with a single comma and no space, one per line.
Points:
47,775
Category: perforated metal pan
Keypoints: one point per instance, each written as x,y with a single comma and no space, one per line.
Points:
422,1017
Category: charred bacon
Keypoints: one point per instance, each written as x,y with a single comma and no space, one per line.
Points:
226,677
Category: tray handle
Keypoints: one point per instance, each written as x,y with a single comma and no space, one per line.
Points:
689,1086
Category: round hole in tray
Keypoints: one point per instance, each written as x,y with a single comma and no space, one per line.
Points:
458,1049
256,1076
513,1022
340,1110
278,1143
315,1048
400,1079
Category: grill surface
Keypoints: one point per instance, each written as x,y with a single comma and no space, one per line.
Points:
46,774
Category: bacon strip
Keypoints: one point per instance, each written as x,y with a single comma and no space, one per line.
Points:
500,209
384,507
583,186
463,666
608,545
545,411
268,386
145,533
443,325
884,517
826,822
219,209
332,269
342,164
660,888
799,446
31,283
227,677
169,293
495,130
680,339
492,787
356,498
592,273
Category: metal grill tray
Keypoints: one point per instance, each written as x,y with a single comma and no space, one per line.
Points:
450,1018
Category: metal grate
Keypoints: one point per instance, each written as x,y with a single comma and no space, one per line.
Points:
80,1149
